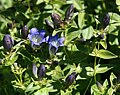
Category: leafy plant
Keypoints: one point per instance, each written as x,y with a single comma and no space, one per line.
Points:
59,47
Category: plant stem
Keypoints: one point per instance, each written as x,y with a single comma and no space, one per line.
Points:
88,86
95,68
66,53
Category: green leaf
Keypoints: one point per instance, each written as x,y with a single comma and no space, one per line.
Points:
65,93
72,36
90,74
95,90
7,3
112,79
118,2
105,84
34,88
110,91
81,20
119,8
57,73
105,54
104,44
90,71
78,4
68,67
39,1
102,69
88,32
51,89
115,18
29,87
42,92
10,61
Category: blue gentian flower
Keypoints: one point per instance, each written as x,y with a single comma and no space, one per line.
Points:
36,37
55,43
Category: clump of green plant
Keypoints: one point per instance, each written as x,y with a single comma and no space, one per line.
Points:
52,47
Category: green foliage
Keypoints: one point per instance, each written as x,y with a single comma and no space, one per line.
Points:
90,50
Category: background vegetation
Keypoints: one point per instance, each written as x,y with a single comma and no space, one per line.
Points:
91,48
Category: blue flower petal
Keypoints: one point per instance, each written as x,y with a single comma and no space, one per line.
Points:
61,40
53,38
30,36
43,40
34,31
42,32
47,39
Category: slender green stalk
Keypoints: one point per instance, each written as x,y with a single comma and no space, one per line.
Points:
6,91
88,86
95,68
21,78
16,77
66,53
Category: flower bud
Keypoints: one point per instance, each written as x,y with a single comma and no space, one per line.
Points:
49,24
9,25
69,13
8,42
100,87
41,72
106,20
56,19
34,70
24,32
70,79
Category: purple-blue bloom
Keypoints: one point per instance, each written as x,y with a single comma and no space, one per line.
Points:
36,37
55,43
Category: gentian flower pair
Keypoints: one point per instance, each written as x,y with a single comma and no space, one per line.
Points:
38,37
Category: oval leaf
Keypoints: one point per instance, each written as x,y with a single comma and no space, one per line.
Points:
88,32
105,54
118,2
102,70
72,36
81,20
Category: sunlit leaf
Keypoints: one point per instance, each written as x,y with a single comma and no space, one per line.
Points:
105,54
29,87
72,36
81,20
88,32
118,2
102,69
